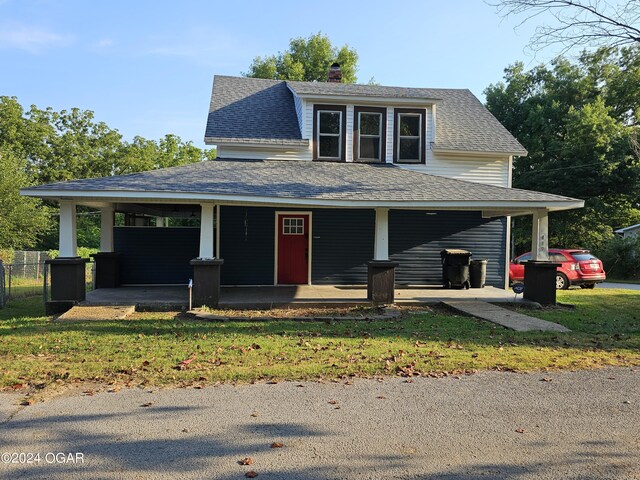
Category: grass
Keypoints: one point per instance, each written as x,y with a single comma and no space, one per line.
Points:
148,348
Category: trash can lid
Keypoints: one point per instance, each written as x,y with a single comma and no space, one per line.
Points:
480,260
455,251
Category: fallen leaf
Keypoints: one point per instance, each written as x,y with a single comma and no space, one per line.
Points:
332,402
89,393
277,445
251,474
146,363
185,363
520,430
254,414
147,404
17,386
26,402
381,397
246,461
546,379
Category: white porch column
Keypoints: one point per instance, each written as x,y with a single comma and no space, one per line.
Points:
68,246
540,235
206,230
381,246
106,228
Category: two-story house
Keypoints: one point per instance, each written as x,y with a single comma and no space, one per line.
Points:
314,181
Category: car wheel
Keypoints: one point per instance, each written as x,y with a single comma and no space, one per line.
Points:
562,283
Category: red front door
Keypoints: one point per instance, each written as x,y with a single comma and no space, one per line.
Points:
293,249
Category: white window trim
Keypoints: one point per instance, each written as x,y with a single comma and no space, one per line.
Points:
419,137
360,135
339,134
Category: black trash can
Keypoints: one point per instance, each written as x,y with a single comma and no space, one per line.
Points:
455,268
478,273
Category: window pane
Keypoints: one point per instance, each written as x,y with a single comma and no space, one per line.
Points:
410,125
409,149
329,146
370,147
329,122
369,124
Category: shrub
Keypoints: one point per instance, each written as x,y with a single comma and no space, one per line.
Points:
621,258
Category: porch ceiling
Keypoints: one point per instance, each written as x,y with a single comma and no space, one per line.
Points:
299,183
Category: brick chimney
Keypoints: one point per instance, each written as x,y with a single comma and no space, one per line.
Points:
334,74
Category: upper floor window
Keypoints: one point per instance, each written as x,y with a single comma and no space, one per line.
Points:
369,132
329,132
409,135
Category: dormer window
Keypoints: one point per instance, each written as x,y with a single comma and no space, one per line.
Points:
369,134
409,135
329,132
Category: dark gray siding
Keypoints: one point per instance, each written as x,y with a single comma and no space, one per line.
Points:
342,246
156,255
416,239
247,245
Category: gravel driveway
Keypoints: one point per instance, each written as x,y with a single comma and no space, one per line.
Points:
494,425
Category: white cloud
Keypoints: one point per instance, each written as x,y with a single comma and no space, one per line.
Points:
103,43
31,39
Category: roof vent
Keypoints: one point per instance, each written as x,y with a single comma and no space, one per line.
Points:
335,73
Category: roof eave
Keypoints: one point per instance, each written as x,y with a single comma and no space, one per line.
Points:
184,197
480,153
371,99
275,144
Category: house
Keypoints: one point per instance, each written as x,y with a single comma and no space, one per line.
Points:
319,183
632,231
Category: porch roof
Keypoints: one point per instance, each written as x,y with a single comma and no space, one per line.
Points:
300,183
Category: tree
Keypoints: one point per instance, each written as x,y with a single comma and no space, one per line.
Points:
307,59
22,219
579,23
579,123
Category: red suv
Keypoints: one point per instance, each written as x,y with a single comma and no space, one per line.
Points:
578,267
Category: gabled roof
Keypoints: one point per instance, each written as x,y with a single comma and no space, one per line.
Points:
303,183
626,229
250,110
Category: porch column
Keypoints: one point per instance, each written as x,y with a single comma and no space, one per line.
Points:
206,230
106,229
540,235
68,270
539,272
381,272
107,262
68,247
381,244
206,268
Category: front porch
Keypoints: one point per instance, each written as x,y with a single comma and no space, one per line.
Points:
302,296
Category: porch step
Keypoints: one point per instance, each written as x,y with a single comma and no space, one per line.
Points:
507,318
92,313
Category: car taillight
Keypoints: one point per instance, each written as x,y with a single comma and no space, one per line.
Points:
574,266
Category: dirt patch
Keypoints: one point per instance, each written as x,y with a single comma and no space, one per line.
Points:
81,314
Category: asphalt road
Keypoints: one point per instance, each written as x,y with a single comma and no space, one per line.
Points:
624,286
583,425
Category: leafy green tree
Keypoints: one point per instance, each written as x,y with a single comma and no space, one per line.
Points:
307,59
22,219
579,123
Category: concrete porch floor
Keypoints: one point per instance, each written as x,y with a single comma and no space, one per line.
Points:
287,296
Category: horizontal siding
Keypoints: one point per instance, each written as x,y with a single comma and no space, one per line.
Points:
247,245
153,255
342,246
257,154
416,239
489,171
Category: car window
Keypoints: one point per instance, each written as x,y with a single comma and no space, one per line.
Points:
524,258
557,257
583,256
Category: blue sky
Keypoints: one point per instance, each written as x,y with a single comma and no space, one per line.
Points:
146,67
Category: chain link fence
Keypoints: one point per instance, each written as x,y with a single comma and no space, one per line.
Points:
28,275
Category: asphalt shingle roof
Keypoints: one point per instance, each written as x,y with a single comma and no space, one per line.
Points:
263,111
303,180
252,109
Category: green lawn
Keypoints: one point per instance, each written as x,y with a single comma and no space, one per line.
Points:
148,348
